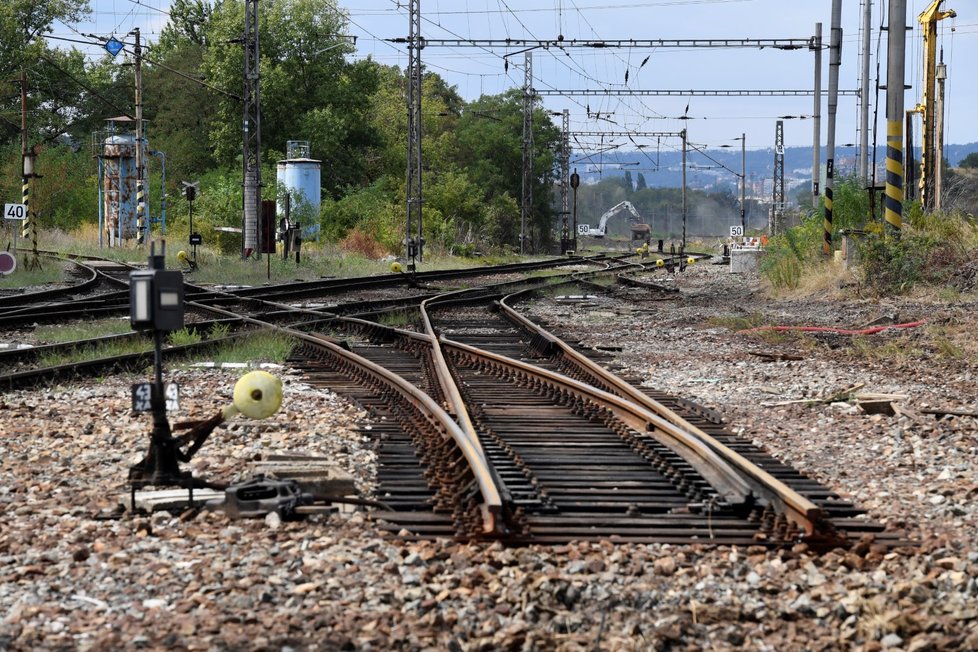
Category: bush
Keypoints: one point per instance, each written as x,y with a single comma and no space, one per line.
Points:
800,248
360,242
931,250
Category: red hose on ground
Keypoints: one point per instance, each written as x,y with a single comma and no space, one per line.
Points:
841,331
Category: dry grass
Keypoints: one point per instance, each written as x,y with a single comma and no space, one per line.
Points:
826,280
354,257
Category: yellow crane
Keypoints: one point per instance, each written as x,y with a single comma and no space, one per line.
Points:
929,154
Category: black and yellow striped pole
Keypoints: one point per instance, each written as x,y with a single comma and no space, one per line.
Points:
29,231
835,62
827,220
140,212
893,202
895,61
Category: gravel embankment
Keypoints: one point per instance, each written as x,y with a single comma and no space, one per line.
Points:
71,581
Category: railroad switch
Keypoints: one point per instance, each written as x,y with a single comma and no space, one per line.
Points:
260,495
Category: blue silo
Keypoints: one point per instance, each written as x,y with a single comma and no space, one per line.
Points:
300,176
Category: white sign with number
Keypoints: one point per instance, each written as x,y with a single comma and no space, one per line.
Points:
736,231
142,397
15,211
583,229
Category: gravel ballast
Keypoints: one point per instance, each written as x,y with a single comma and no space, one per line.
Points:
77,575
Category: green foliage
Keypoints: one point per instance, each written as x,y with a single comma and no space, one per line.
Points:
969,161
82,330
184,337
218,331
372,209
22,21
261,346
309,91
930,250
78,354
790,255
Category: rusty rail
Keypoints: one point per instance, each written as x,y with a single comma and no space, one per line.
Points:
728,484
811,519
491,508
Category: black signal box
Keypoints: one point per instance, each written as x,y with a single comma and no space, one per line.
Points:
156,300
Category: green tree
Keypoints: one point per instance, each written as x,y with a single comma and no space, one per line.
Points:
308,90
179,111
22,24
969,161
489,148
640,182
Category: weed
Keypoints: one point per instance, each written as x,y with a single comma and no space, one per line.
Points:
83,354
49,273
85,330
737,322
184,337
896,351
395,319
219,330
262,346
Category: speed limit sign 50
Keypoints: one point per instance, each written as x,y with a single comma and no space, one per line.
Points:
736,231
15,211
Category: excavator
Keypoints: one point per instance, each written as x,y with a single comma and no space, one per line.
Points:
602,229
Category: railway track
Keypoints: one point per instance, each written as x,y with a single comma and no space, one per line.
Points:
487,426
591,457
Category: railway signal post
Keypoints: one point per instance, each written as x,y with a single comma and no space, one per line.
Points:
156,304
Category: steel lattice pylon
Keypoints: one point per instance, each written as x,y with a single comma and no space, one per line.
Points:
565,164
413,244
777,222
251,153
527,204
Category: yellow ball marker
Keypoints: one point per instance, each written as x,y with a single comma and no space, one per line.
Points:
396,268
660,263
257,395
690,261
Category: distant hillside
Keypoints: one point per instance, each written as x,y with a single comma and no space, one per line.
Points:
663,169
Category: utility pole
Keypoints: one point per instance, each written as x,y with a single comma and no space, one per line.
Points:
835,61
864,93
140,191
777,221
575,181
817,116
896,40
743,183
683,248
941,77
564,180
565,164
527,204
251,127
413,246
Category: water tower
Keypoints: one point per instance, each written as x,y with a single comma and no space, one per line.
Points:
299,175
117,187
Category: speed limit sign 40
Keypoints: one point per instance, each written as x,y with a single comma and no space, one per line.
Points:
15,211
736,231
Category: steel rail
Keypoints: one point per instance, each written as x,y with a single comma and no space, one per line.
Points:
728,484
491,508
46,295
798,509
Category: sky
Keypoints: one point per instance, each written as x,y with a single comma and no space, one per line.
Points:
712,122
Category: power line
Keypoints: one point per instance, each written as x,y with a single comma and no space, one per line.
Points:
137,2
593,92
